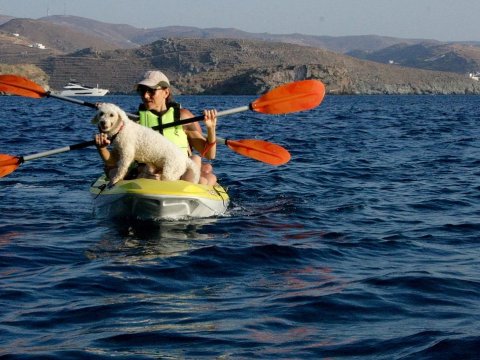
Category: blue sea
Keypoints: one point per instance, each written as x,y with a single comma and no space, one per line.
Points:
364,246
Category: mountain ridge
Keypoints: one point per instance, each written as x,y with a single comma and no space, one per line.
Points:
208,61
138,36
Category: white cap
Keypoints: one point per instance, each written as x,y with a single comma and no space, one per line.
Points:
154,79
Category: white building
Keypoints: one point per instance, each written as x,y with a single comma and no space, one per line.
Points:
37,45
475,76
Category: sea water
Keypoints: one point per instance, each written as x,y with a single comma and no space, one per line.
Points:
364,246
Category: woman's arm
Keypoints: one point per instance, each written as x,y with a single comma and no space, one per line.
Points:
101,142
204,145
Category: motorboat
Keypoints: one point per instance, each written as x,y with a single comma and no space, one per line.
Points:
74,88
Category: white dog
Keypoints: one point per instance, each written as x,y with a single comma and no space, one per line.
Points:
133,141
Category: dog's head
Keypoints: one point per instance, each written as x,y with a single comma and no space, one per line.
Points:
109,117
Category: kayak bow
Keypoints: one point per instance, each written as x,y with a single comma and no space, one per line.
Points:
148,199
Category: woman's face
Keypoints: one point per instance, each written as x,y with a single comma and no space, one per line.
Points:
154,99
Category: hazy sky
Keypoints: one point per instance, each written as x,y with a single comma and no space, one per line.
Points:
427,19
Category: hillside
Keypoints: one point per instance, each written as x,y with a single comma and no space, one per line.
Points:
127,36
449,57
28,71
341,44
119,35
201,61
228,66
459,58
5,18
55,37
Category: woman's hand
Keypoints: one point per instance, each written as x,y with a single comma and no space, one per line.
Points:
210,118
101,140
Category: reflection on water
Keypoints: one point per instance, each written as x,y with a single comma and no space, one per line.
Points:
147,239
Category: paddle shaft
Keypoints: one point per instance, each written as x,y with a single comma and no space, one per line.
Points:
58,151
82,145
196,118
254,151
78,146
287,98
135,117
72,100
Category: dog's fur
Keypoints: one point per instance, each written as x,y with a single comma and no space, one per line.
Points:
132,141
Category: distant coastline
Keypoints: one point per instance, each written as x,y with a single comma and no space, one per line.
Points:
230,62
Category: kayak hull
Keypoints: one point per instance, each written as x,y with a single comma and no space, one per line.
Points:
147,199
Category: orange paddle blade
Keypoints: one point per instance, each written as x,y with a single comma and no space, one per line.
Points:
260,150
291,97
17,85
8,164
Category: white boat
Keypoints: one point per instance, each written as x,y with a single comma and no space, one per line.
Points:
475,76
147,199
75,89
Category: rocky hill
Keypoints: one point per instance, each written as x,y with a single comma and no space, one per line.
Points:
111,56
55,37
5,18
229,66
28,71
120,35
459,58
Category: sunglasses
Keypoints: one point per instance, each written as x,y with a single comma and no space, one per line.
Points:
143,89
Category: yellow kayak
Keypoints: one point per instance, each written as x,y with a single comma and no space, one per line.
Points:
148,199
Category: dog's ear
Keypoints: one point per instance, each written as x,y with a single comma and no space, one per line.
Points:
123,115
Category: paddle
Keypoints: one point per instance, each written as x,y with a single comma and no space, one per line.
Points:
291,97
9,163
287,98
260,150
17,85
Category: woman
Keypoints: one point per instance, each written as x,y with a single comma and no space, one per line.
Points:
158,108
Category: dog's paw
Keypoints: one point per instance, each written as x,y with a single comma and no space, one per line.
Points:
111,185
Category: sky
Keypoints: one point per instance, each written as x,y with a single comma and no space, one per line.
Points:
443,20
